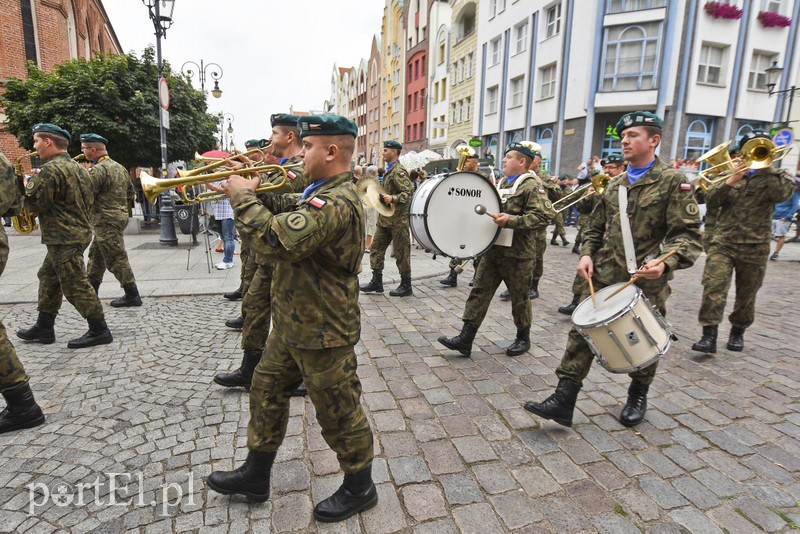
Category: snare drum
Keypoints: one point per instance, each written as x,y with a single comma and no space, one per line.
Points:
626,333
443,218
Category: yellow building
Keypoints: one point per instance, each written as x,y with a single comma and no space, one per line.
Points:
461,82
392,75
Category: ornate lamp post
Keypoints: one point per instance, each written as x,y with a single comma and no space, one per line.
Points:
773,75
223,144
202,74
161,15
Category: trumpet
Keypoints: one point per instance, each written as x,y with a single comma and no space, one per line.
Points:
217,162
599,181
152,186
756,153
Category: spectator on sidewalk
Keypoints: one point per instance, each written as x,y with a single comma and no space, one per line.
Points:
782,218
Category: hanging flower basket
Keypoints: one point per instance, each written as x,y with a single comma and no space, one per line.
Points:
720,10
770,19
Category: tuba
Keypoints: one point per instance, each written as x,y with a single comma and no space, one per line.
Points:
24,222
464,152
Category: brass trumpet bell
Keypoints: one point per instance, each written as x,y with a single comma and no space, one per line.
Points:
598,181
718,159
757,153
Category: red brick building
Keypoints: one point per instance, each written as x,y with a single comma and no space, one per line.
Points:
48,32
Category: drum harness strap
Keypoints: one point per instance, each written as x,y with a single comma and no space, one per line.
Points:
627,234
505,193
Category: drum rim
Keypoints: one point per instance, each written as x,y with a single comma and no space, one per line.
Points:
628,307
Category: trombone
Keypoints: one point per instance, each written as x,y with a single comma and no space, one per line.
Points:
756,153
218,162
599,181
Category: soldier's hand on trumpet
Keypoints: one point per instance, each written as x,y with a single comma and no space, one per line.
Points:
737,173
236,183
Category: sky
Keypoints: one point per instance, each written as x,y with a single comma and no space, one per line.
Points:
273,54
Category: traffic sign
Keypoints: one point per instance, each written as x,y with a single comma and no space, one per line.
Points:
783,137
163,93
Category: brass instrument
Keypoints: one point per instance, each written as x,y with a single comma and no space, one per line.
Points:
598,181
464,152
152,186
80,158
24,222
217,162
757,153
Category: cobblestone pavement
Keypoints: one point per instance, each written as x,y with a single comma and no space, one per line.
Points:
719,450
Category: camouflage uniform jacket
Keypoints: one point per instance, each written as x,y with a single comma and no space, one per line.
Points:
744,211
7,196
554,191
397,183
113,194
529,212
663,215
62,195
318,243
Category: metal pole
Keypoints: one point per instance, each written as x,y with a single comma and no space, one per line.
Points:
789,109
167,212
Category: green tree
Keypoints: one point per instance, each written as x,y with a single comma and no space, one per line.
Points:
115,96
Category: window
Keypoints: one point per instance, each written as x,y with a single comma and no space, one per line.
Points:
408,133
746,128
444,88
491,100
470,63
757,81
553,20
408,103
547,75
611,141
517,91
631,57
544,136
460,70
618,6
468,111
521,37
771,5
435,92
492,9
495,47
501,6
441,53
414,132
416,69
410,71
709,70
453,114
698,137
421,129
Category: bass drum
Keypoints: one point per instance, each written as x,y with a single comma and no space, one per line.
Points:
443,218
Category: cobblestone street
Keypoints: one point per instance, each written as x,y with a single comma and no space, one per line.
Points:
719,450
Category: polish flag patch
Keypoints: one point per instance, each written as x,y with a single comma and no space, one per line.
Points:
686,187
317,202
291,175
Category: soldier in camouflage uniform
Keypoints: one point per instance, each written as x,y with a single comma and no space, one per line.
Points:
62,194
113,199
257,302
398,190
525,209
663,217
558,220
21,410
743,206
318,241
613,166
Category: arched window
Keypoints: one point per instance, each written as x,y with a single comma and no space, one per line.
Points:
544,136
630,57
72,32
745,129
698,137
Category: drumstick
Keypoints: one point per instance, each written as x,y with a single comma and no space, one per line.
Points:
591,290
480,209
637,277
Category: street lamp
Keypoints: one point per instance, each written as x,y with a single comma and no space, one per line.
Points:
202,73
223,145
161,23
773,75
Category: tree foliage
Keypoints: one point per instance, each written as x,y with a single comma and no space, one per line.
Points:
115,96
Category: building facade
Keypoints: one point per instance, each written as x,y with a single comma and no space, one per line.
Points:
393,76
374,144
461,79
416,65
438,70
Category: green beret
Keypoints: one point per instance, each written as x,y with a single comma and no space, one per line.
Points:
392,144
326,124
51,128
638,118
473,156
252,143
522,149
93,138
613,158
752,135
283,119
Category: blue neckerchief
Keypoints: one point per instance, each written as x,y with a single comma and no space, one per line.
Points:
751,173
282,161
311,188
634,173
512,178
389,166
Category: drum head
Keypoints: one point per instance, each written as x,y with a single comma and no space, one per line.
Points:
444,210
587,316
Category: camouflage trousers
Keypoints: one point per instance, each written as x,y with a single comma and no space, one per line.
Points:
107,252
248,260
334,389
399,238
257,309
580,285
492,270
63,274
559,229
538,262
750,263
12,374
578,357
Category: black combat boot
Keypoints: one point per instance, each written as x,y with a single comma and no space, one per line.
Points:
553,241
131,297
534,292
521,344
42,332
707,343
564,241
243,376
21,410
576,248
356,493
98,334
237,323
375,285
451,280
736,341
404,289
463,341
250,480
235,294
569,308
633,412
560,405
505,295
301,390
95,283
